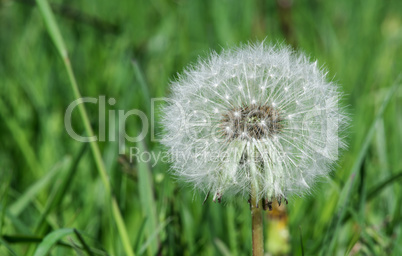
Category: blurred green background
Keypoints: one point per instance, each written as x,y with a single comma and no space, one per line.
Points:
51,187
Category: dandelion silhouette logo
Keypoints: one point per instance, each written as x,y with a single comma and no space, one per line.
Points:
258,119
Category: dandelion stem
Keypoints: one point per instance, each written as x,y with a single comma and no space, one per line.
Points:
257,224
256,207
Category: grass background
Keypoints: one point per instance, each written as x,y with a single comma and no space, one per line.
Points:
51,189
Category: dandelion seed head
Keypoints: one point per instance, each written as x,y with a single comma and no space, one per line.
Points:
274,121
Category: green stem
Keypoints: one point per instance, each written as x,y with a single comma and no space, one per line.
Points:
257,224
256,206
57,39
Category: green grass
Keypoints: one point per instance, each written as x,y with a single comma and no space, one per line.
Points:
58,195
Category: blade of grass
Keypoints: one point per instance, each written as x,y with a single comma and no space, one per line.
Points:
140,235
348,188
301,241
57,195
362,190
60,191
57,39
222,248
14,239
230,211
146,191
23,201
18,224
8,247
143,85
18,239
51,239
189,226
377,189
5,185
154,235
84,244
21,140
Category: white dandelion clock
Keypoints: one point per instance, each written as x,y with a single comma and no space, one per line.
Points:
258,119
